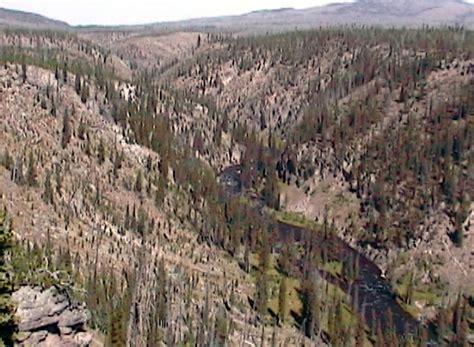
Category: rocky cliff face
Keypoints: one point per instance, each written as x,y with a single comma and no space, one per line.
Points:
50,318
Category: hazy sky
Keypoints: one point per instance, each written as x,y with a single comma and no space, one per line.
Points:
146,11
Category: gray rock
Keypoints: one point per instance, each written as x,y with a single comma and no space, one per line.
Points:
83,339
71,318
36,338
49,318
65,331
39,309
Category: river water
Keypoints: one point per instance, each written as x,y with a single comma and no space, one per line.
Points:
370,292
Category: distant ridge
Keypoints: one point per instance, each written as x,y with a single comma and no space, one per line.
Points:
283,9
392,13
14,19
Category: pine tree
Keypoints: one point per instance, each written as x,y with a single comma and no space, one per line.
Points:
81,131
271,192
66,135
101,152
24,70
283,300
311,306
56,72
160,192
65,72
221,328
31,171
117,333
17,171
410,290
84,93
48,196
139,182
162,295
142,221
7,160
78,84
117,163
7,324
59,180
261,300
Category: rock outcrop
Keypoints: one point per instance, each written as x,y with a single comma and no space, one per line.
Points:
50,318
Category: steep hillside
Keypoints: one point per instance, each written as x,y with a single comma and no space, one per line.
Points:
73,183
63,51
148,50
346,111
301,188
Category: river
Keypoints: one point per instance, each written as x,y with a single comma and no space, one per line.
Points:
371,293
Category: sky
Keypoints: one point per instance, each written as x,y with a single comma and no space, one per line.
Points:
109,12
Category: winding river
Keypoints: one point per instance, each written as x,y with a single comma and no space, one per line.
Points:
371,293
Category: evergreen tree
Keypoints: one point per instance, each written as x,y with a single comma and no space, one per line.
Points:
65,72
311,306
66,135
117,332
7,160
261,300
31,171
48,196
56,72
162,295
283,300
84,93
160,192
24,70
101,152
17,171
139,182
78,84
117,163
271,192
7,324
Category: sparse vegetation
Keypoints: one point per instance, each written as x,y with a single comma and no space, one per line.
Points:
122,200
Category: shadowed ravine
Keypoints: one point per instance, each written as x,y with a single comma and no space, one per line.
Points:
371,293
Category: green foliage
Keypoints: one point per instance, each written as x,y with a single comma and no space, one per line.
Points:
139,181
31,171
40,266
53,55
7,160
222,328
48,193
271,192
7,323
78,84
283,300
311,314
101,152
67,132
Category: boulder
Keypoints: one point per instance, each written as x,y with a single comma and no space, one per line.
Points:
50,318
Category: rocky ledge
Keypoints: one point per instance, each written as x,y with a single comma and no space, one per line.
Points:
49,318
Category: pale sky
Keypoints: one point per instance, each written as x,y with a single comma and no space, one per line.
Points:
108,12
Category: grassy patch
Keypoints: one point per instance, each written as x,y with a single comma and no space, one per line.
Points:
293,218
294,302
426,296
333,267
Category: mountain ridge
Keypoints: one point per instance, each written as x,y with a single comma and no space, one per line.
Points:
16,18
361,12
